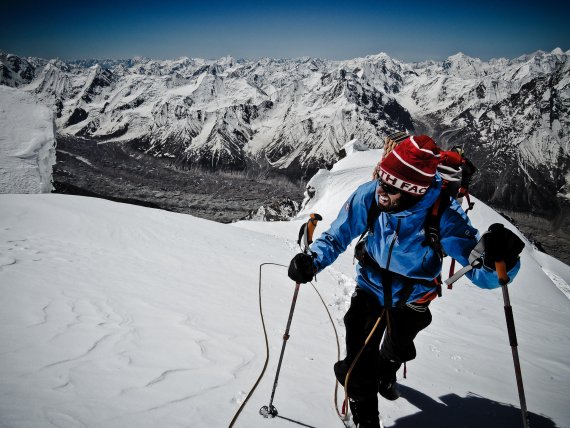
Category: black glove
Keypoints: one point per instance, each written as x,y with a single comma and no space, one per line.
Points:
301,268
501,244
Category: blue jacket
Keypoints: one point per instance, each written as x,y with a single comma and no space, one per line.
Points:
403,252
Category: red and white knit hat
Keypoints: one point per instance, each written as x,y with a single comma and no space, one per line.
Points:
411,166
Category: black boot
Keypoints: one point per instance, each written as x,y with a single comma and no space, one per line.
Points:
389,389
387,385
361,384
365,412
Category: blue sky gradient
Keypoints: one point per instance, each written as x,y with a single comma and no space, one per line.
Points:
406,30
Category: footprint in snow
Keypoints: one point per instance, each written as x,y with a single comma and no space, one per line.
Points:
434,349
6,261
238,399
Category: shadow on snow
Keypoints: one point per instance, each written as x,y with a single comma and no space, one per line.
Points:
472,411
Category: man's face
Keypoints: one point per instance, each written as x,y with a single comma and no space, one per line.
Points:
389,198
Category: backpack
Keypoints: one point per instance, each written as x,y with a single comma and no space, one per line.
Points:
456,172
455,169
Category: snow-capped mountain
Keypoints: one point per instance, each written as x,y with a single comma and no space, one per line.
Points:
15,71
295,115
512,117
290,114
533,127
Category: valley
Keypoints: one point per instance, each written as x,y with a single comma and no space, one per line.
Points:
119,172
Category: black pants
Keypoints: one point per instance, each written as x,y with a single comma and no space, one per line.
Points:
380,359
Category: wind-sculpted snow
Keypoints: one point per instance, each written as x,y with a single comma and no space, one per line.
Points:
27,143
120,316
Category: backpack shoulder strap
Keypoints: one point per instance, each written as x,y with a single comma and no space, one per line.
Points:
373,214
432,225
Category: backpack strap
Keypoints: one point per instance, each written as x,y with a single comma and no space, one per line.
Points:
373,214
468,170
360,247
432,233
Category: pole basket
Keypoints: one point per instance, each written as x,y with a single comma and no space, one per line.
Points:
268,411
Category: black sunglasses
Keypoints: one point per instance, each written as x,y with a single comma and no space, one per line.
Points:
391,190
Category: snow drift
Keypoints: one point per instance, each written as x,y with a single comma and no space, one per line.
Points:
27,143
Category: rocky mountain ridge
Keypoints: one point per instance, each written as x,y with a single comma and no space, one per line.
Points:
293,116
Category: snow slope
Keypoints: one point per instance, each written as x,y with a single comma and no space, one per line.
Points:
121,316
27,143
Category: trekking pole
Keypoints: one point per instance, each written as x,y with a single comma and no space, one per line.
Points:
306,236
504,280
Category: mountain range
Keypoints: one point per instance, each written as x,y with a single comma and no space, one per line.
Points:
511,116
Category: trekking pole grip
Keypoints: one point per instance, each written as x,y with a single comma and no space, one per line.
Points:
310,230
501,269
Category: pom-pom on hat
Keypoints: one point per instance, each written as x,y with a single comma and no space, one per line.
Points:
411,166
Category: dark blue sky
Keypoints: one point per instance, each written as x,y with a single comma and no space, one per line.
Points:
406,30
